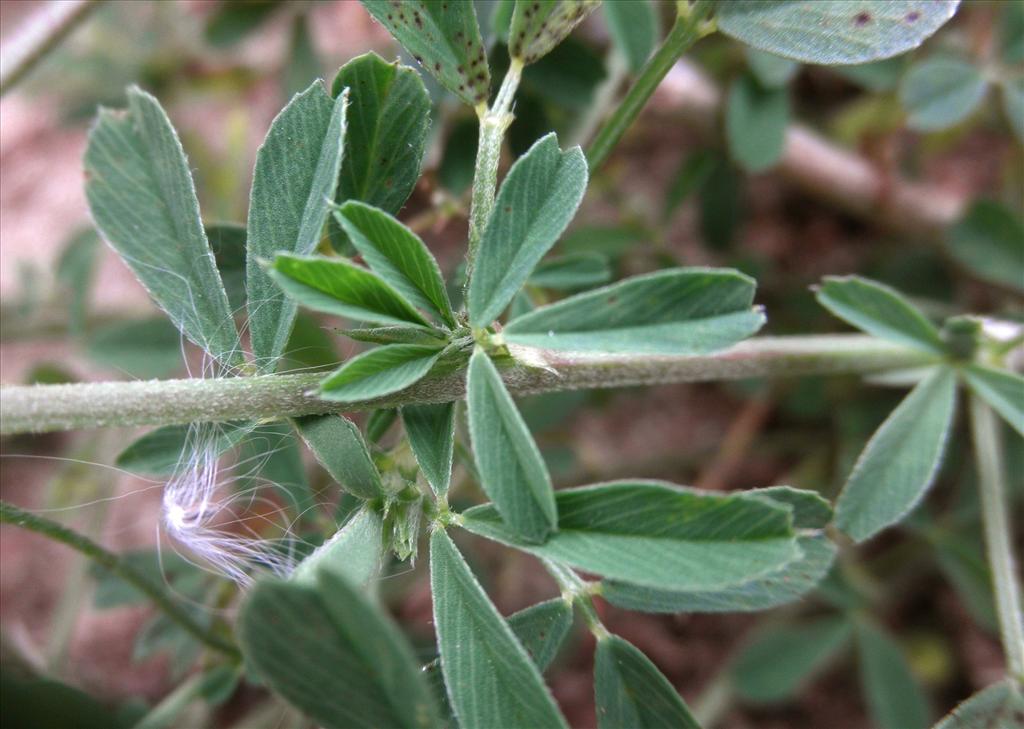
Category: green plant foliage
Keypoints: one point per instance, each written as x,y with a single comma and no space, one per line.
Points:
674,311
444,38
140,348
44,702
398,335
989,242
542,628
491,680
398,256
292,187
272,456
879,310
755,124
810,510
353,553
940,92
384,151
780,660
337,286
76,269
634,30
894,697
512,471
303,65
787,584
331,652
572,272
631,691
431,431
232,22
1013,104
540,25
673,538
143,201
535,204
379,372
901,460
999,705
835,32
339,447
227,241
771,71
1004,391
162,450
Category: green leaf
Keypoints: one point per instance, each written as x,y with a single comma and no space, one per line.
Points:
227,241
272,457
999,705
630,691
398,335
1013,104
293,183
834,32
658,535
542,628
76,269
773,72
310,347
781,660
675,311
353,553
989,242
337,286
540,25
490,679
878,76
431,431
1004,391
161,451
900,461
880,311
537,200
40,702
398,256
144,203
572,271
755,124
810,510
940,92
693,172
231,22
303,65
379,372
339,447
787,584
512,471
894,698
143,348
634,30
332,654
444,38
384,151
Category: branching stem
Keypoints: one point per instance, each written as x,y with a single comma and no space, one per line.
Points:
10,514
47,408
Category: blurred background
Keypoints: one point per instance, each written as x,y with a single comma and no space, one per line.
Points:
872,180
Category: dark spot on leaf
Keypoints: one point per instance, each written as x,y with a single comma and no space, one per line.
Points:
508,208
613,299
437,67
862,18
481,76
913,16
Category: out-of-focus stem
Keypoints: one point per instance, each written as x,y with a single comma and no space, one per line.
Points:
988,453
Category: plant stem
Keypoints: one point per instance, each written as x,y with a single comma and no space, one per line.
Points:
39,35
47,408
578,593
687,30
10,514
494,122
988,451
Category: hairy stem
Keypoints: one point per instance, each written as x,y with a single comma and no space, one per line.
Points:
47,408
578,593
10,514
998,539
494,121
40,33
687,30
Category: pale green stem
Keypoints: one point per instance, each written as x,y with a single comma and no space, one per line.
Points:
47,408
10,514
689,27
494,122
579,593
998,538
169,710
714,701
